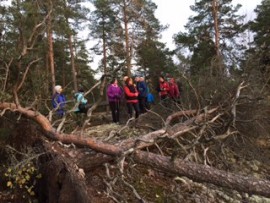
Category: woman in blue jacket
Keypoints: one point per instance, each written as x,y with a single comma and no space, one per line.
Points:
59,101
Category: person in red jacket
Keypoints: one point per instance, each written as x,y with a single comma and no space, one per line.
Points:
163,88
173,90
131,94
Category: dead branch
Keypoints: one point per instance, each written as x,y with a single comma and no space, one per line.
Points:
235,101
133,190
25,73
33,37
179,114
7,73
196,172
194,90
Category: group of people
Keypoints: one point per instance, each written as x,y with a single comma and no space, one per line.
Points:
168,89
59,101
135,93
135,97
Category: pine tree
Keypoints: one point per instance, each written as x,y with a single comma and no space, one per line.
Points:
260,52
212,36
106,28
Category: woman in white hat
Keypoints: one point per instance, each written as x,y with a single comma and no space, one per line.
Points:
59,100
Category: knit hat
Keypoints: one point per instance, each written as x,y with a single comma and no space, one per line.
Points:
58,88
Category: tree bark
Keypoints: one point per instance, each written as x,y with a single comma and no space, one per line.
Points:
127,39
194,171
216,26
61,181
215,11
51,53
203,173
104,45
73,66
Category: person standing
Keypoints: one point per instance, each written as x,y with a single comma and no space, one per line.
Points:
82,102
59,101
163,88
114,94
142,90
174,93
150,99
131,94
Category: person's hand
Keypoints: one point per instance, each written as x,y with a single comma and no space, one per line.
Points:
136,94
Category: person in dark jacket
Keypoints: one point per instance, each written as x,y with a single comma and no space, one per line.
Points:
114,94
142,90
131,94
59,101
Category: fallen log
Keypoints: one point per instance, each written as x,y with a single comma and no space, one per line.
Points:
204,173
51,133
194,171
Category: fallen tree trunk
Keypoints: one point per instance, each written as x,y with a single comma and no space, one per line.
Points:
194,171
51,133
204,173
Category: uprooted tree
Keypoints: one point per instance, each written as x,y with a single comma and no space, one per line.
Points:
197,122
182,143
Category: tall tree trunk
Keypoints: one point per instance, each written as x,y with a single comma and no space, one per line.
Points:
215,10
47,64
104,51
216,26
104,47
128,57
73,67
72,58
51,53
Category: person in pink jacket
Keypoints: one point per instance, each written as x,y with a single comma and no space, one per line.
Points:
114,94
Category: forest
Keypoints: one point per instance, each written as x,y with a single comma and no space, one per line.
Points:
212,144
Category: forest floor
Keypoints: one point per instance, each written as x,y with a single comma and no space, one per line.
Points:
246,158
249,156
240,154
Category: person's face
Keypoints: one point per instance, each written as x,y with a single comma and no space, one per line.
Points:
130,82
115,82
161,79
137,79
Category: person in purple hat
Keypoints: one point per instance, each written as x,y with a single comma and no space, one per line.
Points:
114,94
